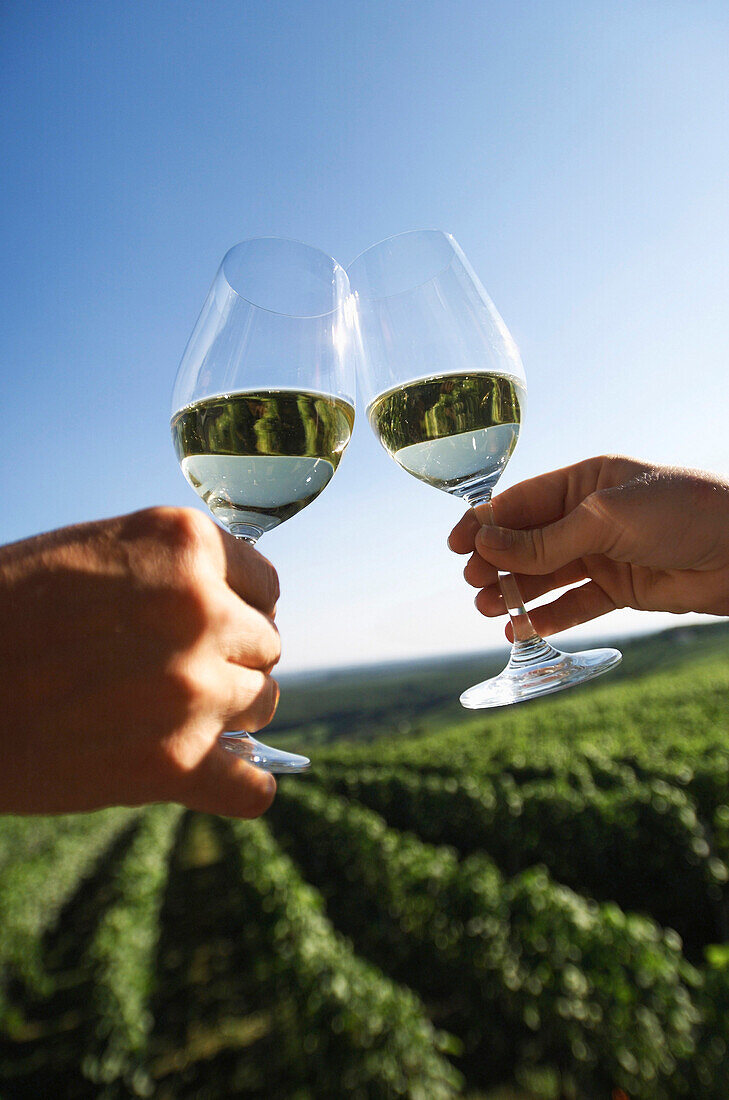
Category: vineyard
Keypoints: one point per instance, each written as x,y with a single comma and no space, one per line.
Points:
531,903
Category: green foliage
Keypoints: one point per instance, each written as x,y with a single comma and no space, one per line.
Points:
488,870
120,957
705,1073
629,842
43,861
350,1030
396,701
543,975
667,721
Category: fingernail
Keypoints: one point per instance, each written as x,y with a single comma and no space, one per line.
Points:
494,538
271,784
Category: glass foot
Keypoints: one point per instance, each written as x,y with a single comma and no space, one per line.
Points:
263,756
537,668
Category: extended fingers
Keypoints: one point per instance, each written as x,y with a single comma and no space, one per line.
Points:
489,600
531,503
481,574
579,605
544,499
587,529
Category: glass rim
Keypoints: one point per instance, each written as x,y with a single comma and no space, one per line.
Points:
335,266
394,237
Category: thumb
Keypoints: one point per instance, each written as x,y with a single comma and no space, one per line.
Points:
226,784
541,550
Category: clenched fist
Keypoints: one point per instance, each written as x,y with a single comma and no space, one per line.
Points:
128,646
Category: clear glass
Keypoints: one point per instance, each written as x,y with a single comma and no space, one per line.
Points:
446,393
263,402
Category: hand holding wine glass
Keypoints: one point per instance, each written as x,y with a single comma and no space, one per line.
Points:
446,397
130,644
600,525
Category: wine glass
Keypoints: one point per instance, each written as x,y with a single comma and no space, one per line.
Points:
263,402
446,394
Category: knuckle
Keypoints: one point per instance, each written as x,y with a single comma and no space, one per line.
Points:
271,589
263,644
194,611
263,706
177,764
253,576
190,529
609,461
181,529
274,650
480,602
189,687
612,469
601,527
472,572
275,588
217,606
263,576
274,694
599,506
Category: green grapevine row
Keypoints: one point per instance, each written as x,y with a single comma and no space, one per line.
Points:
352,1032
35,886
629,844
666,720
523,971
120,957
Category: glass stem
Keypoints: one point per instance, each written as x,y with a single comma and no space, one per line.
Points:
521,624
528,645
243,533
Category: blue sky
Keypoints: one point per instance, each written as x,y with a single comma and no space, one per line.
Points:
578,151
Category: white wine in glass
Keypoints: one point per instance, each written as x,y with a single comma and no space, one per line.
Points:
263,405
258,457
454,431
446,396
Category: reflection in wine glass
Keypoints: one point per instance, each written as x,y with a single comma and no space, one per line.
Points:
263,403
446,396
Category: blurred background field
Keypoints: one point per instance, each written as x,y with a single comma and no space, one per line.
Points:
524,903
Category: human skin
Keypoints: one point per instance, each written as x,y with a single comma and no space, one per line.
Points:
130,645
624,533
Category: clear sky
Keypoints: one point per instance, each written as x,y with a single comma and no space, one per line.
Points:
579,152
